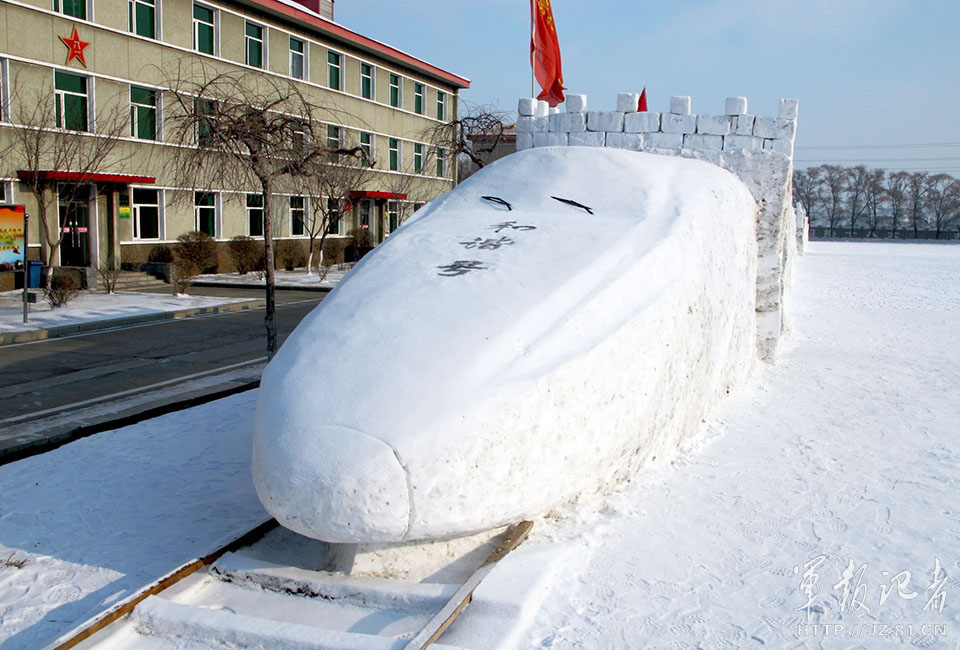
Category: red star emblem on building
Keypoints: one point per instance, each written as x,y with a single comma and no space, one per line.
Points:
75,48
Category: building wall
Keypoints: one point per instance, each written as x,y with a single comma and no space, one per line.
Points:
116,59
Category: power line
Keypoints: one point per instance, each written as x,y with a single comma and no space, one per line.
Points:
879,146
884,160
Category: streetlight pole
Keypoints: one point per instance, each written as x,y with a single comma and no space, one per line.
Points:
26,269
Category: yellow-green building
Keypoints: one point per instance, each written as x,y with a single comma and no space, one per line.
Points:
83,58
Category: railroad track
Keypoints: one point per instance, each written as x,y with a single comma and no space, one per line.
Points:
272,588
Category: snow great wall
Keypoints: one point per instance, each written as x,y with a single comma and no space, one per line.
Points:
557,320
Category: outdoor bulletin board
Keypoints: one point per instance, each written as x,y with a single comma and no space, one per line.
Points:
11,237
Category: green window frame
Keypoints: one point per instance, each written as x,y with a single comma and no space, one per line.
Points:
75,8
334,62
394,155
204,29
298,216
418,98
366,81
205,107
255,215
205,212
253,45
146,213
297,58
366,143
143,113
70,98
441,162
142,17
441,105
395,90
393,215
417,157
334,216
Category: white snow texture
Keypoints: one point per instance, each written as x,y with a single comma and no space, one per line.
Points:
577,347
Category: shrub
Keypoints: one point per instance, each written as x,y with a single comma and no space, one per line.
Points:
246,253
160,255
182,276
361,238
62,289
108,278
197,249
290,254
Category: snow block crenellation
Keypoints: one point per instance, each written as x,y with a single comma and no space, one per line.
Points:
758,149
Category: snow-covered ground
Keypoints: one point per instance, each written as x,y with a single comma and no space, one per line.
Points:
298,279
845,451
90,306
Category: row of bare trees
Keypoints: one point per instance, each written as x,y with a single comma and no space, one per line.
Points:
221,131
848,199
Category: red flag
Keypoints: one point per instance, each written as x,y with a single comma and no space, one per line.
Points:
642,106
545,52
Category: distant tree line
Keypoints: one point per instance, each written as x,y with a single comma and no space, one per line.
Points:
862,202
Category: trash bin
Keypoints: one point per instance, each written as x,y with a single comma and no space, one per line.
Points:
34,268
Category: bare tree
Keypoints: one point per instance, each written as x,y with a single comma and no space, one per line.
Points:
40,144
243,129
327,184
943,200
874,198
855,187
475,134
916,197
895,191
834,183
806,188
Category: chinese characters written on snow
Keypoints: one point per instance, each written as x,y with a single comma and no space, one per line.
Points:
852,589
462,267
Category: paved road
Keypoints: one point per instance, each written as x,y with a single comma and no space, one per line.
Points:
48,375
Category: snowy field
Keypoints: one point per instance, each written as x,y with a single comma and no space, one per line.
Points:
298,279
90,306
845,452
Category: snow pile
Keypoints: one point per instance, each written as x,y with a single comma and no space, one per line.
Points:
488,362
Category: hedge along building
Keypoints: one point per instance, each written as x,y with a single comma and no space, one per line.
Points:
89,64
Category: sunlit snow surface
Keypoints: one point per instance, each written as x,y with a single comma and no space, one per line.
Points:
848,449
497,356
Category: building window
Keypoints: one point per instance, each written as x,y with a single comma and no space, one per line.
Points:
333,70
394,155
393,215
146,213
441,105
143,113
142,17
417,157
333,142
255,215
75,8
333,216
3,193
366,144
71,101
206,109
254,45
204,29
418,98
298,215
395,90
366,81
441,162
297,50
205,210
365,214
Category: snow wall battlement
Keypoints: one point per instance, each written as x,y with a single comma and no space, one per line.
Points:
759,150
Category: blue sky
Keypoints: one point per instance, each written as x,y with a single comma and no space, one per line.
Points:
868,73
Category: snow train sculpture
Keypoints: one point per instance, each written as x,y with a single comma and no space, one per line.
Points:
556,320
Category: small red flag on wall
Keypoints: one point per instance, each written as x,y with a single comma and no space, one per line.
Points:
545,52
642,105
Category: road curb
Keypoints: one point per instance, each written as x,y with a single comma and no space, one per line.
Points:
28,336
278,287
70,434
